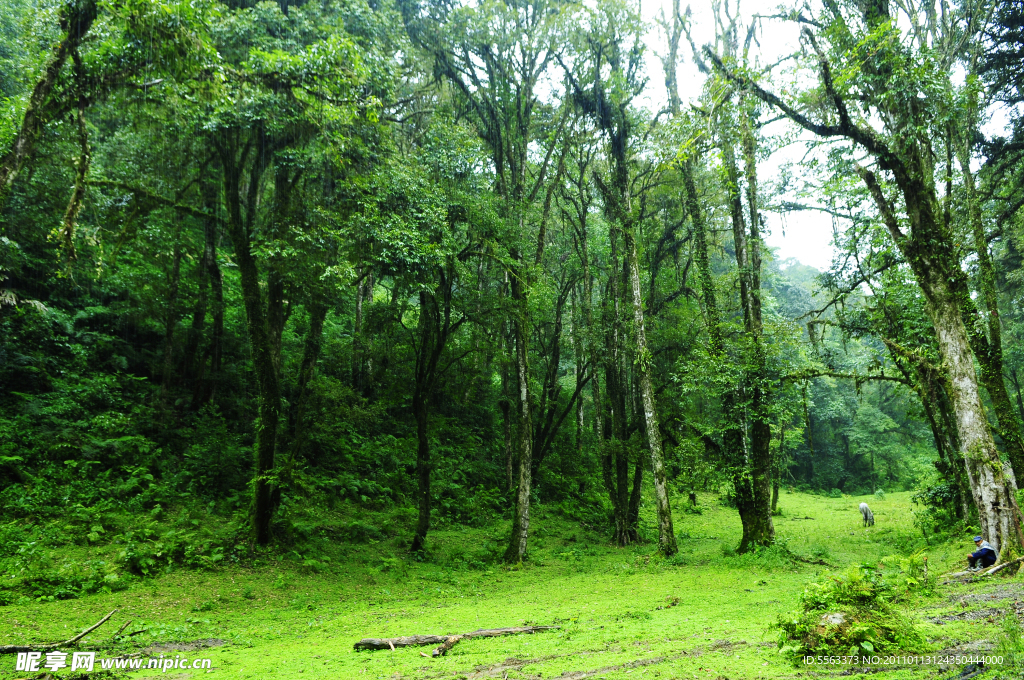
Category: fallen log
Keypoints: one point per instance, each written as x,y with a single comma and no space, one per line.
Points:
419,640
14,649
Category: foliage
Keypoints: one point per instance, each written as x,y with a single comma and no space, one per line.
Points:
852,613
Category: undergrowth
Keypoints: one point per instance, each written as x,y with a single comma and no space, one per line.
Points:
857,611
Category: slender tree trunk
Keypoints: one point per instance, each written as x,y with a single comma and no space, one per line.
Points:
810,439
758,527
310,355
429,339
195,331
171,319
516,551
579,366
216,340
364,290
506,427
777,469
633,514
209,278
268,390
1016,386
78,193
616,454
642,370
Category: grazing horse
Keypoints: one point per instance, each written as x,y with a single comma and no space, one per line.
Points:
869,518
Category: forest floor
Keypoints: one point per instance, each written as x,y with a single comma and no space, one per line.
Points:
622,613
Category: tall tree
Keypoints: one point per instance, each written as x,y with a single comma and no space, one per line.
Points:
494,56
612,28
884,82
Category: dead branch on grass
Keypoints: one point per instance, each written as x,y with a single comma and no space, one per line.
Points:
446,642
14,649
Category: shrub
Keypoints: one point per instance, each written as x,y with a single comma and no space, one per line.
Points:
357,532
937,511
851,613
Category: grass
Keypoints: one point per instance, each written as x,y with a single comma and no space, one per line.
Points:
624,613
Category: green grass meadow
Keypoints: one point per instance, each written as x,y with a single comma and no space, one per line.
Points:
623,613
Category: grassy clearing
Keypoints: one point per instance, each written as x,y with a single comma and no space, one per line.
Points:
623,612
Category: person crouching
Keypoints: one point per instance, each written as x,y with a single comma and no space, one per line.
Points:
984,556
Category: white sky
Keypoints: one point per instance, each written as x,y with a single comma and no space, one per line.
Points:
805,236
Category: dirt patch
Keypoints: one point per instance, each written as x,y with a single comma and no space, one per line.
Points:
725,645
513,664
968,648
185,646
1001,592
970,615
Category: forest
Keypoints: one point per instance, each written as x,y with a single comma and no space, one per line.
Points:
335,296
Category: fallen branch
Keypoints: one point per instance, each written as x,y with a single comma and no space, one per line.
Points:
418,640
119,630
448,644
1004,565
991,570
13,649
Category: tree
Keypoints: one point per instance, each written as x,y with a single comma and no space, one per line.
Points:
611,28
882,83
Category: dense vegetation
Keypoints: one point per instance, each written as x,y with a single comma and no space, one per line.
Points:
447,261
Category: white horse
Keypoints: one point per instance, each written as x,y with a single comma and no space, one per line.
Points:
869,518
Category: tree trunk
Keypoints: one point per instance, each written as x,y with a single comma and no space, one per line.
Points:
777,469
616,455
1016,387
506,428
78,193
429,327
989,352
758,529
268,391
364,292
310,355
994,492
642,370
203,378
171,319
516,551
195,331
633,514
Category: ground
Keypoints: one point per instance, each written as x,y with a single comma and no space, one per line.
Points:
622,613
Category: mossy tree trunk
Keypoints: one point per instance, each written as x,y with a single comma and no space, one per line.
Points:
243,167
